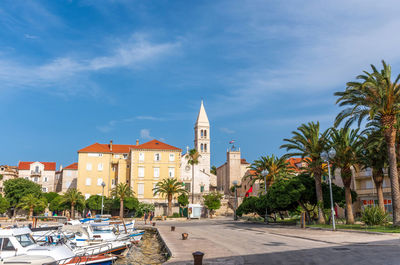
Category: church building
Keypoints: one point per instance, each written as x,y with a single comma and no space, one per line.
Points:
203,179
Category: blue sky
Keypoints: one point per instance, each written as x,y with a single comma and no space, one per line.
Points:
77,72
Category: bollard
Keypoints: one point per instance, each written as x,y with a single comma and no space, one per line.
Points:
172,228
198,258
185,236
303,220
154,224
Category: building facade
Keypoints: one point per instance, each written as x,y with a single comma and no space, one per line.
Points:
42,173
203,178
140,166
66,178
6,173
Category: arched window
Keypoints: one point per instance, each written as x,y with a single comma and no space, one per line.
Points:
205,147
201,147
201,133
205,133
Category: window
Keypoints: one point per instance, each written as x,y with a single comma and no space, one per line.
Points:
202,188
35,179
171,172
95,154
157,157
125,156
68,184
205,133
141,172
368,184
37,169
187,186
141,156
44,189
201,147
25,240
116,156
100,166
99,181
171,157
205,147
87,196
201,133
141,189
69,173
45,179
156,172
7,245
113,182
88,181
154,186
88,166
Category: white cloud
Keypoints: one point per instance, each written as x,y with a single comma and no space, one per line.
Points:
145,134
226,130
28,36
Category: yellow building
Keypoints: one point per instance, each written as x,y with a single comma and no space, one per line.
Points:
140,166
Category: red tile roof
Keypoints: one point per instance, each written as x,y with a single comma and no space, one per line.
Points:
124,148
50,166
293,161
72,166
157,145
243,161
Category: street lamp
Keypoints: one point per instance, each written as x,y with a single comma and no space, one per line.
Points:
264,173
235,183
326,156
102,197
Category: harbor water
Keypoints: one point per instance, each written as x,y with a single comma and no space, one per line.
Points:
148,251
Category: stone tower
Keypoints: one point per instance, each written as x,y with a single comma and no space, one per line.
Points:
202,139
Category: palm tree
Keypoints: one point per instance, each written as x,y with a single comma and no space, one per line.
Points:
73,197
277,167
309,142
169,187
374,156
193,159
29,202
376,94
122,191
347,145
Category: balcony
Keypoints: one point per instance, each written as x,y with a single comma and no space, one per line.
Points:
371,192
36,173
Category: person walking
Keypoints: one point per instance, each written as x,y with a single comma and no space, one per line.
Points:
146,215
151,216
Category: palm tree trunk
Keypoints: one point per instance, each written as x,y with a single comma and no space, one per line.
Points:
72,211
169,204
31,212
192,183
390,136
320,199
346,178
377,175
121,208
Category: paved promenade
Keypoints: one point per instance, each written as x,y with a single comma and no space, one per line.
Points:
227,242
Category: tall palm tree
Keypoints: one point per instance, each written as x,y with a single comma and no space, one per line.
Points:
347,145
374,156
73,197
122,191
169,187
193,159
277,167
29,202
309,142
376,94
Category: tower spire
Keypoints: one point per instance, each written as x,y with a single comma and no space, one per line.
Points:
202,119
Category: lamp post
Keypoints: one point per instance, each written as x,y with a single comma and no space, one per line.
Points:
235,182
102,197
264,173
326,156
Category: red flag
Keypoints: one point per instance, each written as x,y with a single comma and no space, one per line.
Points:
250,190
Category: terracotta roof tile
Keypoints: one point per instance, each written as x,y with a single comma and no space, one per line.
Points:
50,166
157,145
72,166
125,148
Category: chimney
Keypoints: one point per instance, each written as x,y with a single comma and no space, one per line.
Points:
61,168
111,145
137,141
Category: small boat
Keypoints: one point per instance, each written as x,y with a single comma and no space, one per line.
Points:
28,259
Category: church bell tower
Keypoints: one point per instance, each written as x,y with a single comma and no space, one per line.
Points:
202,139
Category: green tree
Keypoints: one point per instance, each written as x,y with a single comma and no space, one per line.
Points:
213,170
193,159
254,205
74,198
376,94
94,203
347,143
15,189
4,204
168,188
131,203
50,196
122,191
144,207
183,200
57,205
309,142
212,201
30,201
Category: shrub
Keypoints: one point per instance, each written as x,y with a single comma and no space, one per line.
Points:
175,215
374,216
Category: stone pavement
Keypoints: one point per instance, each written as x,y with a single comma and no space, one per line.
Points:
228,242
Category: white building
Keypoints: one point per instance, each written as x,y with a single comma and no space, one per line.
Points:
202,176
42,173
